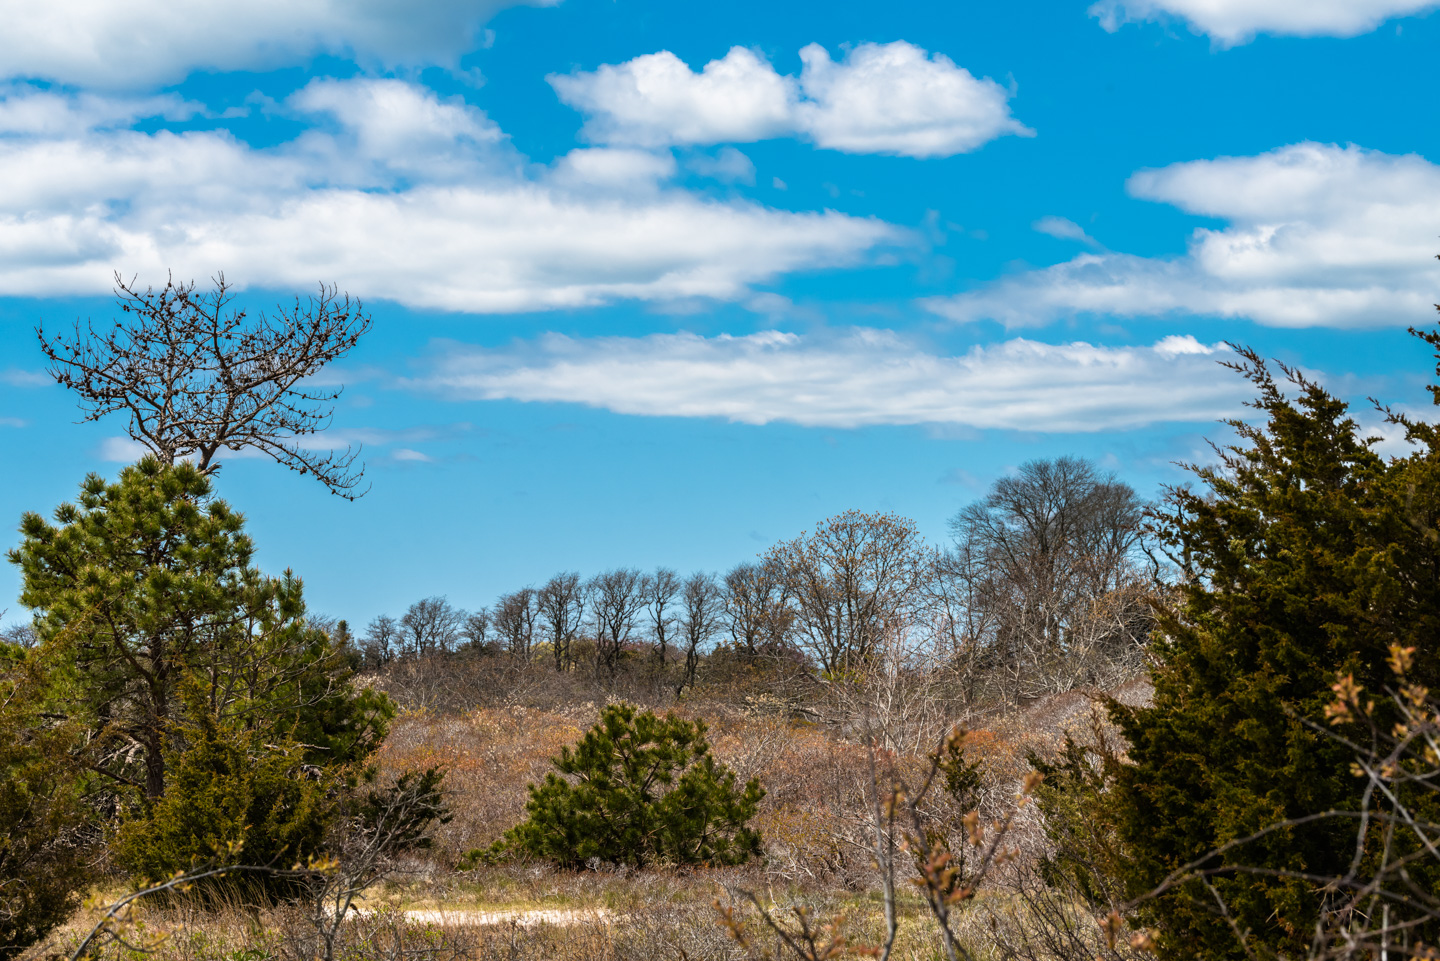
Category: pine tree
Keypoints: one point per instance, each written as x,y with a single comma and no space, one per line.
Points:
144,588
645,788
235,796
214,719
1306,555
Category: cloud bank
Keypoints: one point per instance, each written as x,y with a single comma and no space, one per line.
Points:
890,98
862,378
1232,22
139,43
395,194
1318,236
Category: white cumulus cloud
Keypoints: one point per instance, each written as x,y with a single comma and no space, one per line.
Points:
656,100
859,378
404,196
140,43
1231,22
895,99
890,98
1317,235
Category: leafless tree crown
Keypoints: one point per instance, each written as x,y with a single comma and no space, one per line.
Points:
616,605
431,626
515,618
1043,585
855,577
197,376
561,604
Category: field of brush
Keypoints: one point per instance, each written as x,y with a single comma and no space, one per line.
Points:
809,752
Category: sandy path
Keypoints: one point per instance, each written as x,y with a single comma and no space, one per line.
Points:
559,917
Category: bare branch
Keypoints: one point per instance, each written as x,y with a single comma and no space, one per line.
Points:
197,376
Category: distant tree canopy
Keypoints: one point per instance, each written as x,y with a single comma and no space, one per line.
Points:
197,376
1304,555
1043,591
854,578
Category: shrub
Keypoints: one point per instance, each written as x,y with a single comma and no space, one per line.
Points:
43,836
234,798
645,789
1306,554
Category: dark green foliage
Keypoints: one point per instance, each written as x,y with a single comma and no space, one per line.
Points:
43,838
961,776
645,788
214,713
233,797
1086,859
1306,556
145,586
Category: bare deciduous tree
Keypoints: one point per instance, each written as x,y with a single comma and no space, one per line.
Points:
616,602
702,612
431,626
381,644
515,615
659,591
476,631
850,581
1045,567
562,605
755,607
198,376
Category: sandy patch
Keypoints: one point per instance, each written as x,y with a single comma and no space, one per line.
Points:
560,917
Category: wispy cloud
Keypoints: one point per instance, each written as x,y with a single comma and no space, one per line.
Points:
121,450
892,98
1063,229
16,377
1319,236
863,377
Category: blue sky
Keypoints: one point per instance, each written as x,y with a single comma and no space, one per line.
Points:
659,283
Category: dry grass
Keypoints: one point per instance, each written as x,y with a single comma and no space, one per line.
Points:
812,820
529,912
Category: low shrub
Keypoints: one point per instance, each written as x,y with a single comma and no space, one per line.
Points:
645,789
232,797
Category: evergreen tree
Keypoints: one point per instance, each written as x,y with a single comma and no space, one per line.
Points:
235,796
144,588
1305,555
646,788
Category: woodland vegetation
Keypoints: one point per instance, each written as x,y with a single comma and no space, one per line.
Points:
1088,726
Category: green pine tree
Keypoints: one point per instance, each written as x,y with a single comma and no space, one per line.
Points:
212,710
144,588
1307,555
645,789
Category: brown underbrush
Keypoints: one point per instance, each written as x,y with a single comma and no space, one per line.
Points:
493,727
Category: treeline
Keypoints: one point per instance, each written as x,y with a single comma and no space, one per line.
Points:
1046,586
